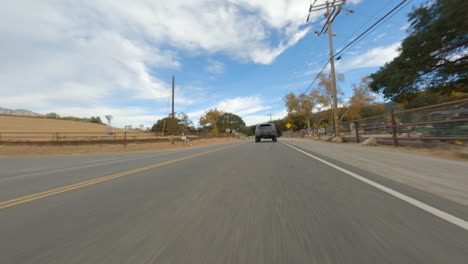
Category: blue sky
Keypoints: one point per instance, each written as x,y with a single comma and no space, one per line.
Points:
98,57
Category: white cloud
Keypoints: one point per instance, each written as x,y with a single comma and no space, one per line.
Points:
405,26
372,58
268,55
64,54
215,66
121,116
237,27
91,49
242,106
255,119
380,36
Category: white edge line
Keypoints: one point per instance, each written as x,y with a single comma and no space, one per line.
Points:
441,214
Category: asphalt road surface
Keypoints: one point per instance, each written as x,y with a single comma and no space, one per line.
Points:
234,203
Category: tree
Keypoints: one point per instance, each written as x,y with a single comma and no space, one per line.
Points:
325,88
362,97
432,58
96,119
182,123
426,98
322,95
109,119
231,121
249,130
374,109
52,115
299,107
211,118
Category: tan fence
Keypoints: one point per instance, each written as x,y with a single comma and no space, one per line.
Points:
91,137
442,122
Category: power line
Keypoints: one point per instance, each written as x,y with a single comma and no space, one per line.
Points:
359,37
363,24
388,18
371,27
316,77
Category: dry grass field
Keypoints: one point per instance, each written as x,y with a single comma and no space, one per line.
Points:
22,128
34,150
34,129
37,124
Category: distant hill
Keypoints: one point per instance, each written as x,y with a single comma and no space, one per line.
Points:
18,112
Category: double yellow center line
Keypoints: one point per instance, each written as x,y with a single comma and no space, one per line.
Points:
67,188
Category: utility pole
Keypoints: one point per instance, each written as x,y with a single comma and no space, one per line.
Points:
164,126
332,69
270,116
333,9
173,115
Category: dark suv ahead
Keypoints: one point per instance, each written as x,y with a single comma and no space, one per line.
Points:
266,130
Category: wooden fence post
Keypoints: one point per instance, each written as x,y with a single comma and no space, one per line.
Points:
56,136
394,130
125,139
356,127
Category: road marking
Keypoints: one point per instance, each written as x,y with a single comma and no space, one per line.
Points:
86,165
441,214
67,188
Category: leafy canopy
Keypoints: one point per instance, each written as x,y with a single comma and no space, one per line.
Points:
433,57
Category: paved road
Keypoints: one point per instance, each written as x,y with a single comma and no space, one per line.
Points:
248,203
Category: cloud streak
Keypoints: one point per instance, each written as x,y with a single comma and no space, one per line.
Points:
242,106
95,52
375,57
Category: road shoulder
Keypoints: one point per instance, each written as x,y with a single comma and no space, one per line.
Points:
441,183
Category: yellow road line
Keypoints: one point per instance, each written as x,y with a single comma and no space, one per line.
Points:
67,188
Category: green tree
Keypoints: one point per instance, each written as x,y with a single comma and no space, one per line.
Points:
52,115
231,121
96,119
249,130
182,124
433,57
374,109
162,124
426,98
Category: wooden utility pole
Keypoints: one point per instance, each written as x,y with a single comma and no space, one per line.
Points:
333,9
332,72
173,115
164,127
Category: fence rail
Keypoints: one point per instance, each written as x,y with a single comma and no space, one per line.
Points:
24,137
442,122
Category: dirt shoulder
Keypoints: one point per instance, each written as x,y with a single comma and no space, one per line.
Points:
443,153
34,150
443,177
